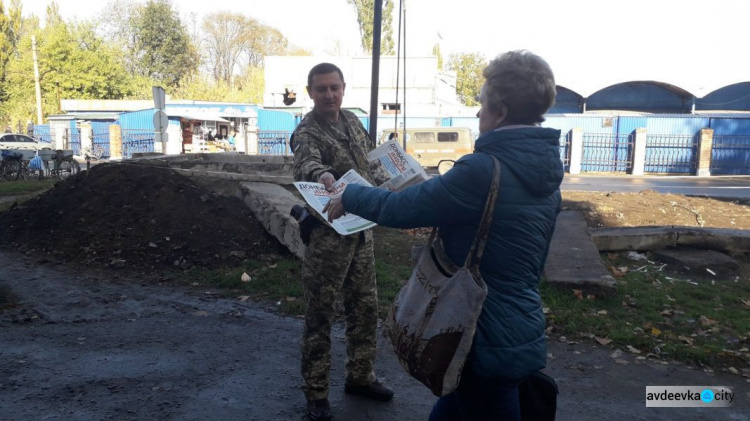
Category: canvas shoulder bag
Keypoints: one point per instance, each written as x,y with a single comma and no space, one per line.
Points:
433,318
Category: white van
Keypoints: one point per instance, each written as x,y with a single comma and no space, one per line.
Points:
435,146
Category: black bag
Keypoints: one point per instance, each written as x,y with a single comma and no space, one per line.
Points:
538,397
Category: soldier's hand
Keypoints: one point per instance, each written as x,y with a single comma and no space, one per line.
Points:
335,208
328,179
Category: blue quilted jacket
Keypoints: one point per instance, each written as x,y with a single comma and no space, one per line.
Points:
510,339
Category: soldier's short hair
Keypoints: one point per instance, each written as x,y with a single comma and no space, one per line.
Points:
521,81
322,69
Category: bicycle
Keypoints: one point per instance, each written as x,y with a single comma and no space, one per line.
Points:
64,165
95,152
15,164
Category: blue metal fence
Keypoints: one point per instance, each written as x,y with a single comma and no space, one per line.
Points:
137,140
669,153
604,152
274,143
43,134
100,137
72,138
730,155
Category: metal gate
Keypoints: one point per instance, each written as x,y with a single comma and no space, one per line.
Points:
607,152
730,155
43,134
136,140
274,143
100,137
669,153
72,138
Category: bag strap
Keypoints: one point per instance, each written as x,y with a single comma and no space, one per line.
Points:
477,248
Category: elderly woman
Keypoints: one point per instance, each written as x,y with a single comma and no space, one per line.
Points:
509,343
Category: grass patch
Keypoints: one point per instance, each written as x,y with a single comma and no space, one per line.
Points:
24,189
281,281
661,315
17,188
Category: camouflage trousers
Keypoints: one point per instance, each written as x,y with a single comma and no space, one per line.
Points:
334,265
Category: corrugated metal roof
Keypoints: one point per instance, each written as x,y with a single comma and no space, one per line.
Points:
195,115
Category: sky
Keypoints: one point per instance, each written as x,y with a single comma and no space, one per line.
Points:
698,45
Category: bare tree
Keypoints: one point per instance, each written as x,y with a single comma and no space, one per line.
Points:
225,35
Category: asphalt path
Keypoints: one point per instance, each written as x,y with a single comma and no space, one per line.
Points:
715,186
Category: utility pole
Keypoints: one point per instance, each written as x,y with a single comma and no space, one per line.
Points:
39,119
375,84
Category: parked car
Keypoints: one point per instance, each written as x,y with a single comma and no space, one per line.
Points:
20,141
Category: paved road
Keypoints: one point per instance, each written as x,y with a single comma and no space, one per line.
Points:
735,186
88,346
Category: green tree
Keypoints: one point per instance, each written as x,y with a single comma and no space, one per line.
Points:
469,79
366,16
73,61
437,53
161,42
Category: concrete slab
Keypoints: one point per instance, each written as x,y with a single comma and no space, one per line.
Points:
702,264
271,204
655,238
574,261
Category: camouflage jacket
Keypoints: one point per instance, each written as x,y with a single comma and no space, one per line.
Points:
319,146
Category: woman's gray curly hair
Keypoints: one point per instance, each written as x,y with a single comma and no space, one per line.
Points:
523,82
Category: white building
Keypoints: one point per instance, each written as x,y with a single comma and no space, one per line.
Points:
429,91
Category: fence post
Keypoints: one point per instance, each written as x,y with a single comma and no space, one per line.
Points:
705,147
115,141
252,140
576,150
639,152
66,139
87,137
61,134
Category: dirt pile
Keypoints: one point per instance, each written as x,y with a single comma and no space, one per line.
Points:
649,208
135,217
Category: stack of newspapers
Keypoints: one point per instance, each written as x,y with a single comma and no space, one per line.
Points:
403,170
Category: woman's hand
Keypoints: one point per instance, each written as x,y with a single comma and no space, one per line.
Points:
335,208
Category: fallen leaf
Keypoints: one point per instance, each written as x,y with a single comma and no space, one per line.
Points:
601,312
705,321
623,269
578,293
647,325
633,350
243,298
291,298
733,370
245,277
590,297
621,361
667,313
272,266
655,331
745,302
687,340
545,310
603,341
616,354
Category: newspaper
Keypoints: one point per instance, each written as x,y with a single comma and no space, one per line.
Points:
403,170
316,195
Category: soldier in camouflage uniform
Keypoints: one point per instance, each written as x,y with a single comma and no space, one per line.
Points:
326,144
